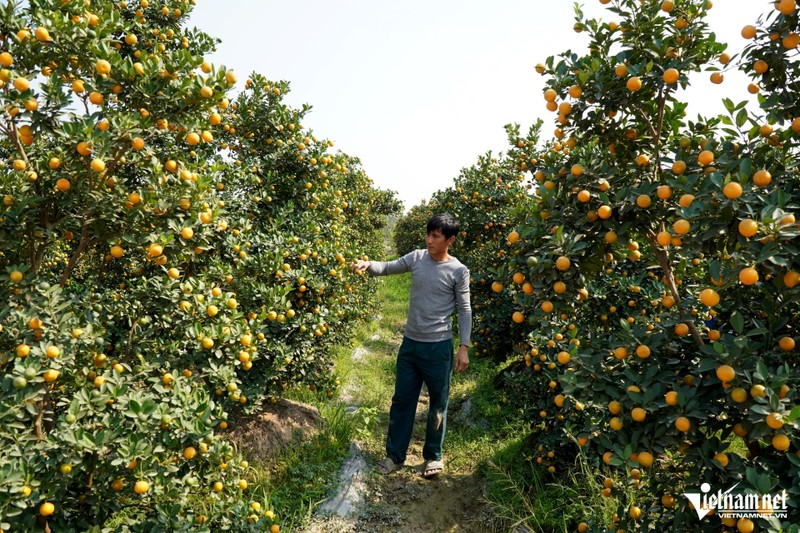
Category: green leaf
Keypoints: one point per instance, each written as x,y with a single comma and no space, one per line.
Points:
148,407
752,476
737,321
761,409
134,406
741,118
714,268
762,372
728,103
707,364
627,451
651,394
765,484
779,260
745,169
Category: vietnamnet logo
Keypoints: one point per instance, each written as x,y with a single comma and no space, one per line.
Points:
729,505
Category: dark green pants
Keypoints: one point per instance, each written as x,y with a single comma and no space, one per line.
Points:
430,363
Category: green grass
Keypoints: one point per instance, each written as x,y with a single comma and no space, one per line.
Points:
736,445
301,476
524,494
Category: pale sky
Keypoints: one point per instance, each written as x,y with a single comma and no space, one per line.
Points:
418,89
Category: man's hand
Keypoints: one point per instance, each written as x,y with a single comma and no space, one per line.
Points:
462,358
359,267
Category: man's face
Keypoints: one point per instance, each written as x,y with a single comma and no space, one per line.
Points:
436,243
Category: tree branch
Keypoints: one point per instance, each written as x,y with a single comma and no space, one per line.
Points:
73,260
669,275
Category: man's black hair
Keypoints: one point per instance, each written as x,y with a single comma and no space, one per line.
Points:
445,223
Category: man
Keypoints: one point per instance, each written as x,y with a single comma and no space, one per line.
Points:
439,284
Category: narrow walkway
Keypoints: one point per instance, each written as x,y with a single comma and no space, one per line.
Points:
404,502
341,511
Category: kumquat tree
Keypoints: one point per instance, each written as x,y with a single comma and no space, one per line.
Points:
661,257
171,255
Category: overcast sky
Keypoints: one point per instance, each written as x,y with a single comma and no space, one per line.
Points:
419,89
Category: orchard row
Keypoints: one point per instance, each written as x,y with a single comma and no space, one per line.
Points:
172,255
647,283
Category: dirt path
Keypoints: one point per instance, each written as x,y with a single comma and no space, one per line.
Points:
405,502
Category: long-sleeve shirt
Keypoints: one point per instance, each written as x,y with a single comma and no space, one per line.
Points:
438,288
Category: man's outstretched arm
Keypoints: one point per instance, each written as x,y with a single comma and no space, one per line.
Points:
385,268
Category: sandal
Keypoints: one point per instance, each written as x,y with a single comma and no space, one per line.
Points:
432,468
387,466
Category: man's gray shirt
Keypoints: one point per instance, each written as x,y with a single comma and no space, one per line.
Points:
437,289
